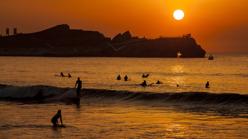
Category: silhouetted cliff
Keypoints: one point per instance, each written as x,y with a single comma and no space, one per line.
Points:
63,41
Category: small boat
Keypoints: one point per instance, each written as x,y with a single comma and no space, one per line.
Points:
211,57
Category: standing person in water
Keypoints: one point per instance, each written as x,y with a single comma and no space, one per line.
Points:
207,85
126,78
118,77
55,119
78,85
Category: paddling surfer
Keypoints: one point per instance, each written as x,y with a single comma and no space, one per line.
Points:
144,83
55,119
62,74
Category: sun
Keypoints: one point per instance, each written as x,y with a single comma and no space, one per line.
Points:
178,14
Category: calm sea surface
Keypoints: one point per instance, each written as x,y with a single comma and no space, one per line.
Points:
127,118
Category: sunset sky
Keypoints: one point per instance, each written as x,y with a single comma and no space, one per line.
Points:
218,25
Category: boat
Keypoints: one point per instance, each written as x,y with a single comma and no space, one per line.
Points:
210,57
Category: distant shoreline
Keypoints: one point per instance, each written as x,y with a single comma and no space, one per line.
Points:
61,41
100,57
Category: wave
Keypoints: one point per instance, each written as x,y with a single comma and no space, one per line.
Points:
56,94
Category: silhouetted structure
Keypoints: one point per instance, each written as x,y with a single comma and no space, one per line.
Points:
78,85
126,78
122,37
118,77
63,41
15,31
55,119
7,31
207,85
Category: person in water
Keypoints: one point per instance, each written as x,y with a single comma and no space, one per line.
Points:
55,119
62,74
69,75
145,75
78,85
126,78
159,82
118,77
207,85
144,83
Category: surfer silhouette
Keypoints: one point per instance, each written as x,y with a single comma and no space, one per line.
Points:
62,74
78,85
118,77
144,83
159,82
145,75
126,78
207,85
55,119
69,75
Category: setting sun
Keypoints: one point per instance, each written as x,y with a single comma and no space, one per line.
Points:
178,14
118,69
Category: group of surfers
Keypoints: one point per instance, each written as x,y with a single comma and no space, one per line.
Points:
145,84
78,85
58,116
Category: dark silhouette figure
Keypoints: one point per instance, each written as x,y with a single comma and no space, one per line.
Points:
55,119
69,75
78,85
177,85
118,77
126,78
211,57
145,75
144,83
62,74
207,85
159,82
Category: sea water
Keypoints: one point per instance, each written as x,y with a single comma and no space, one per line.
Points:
226,74
127,115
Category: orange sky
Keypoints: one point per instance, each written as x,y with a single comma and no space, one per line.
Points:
218,25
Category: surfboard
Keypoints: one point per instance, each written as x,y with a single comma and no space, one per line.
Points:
59,126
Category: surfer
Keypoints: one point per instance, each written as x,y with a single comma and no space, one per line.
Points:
62,74
69,75
144,83
118,77
145,75
78,85
159,82
126,78
207,85
55,119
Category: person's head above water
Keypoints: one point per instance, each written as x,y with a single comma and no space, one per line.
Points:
78,78
59,111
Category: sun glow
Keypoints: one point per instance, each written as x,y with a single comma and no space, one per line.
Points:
178,14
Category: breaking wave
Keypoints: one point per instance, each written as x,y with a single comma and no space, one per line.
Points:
56,94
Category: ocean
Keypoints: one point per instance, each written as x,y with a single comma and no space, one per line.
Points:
32,91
